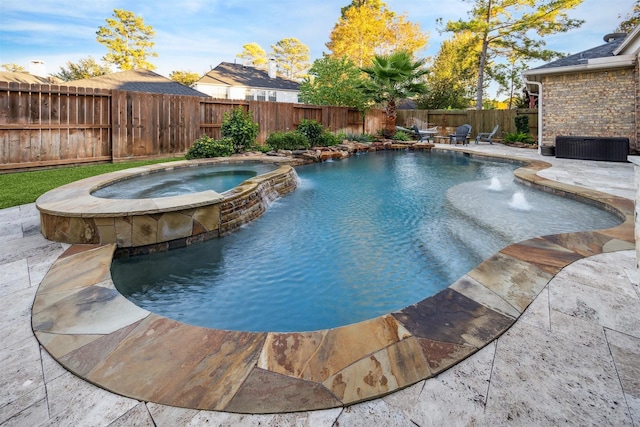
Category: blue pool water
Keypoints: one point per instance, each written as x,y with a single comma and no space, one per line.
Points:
218,177
358,238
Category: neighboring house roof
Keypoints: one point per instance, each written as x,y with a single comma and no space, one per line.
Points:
137,81
229,74
406,104
24,77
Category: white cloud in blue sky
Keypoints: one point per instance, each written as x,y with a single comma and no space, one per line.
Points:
197,34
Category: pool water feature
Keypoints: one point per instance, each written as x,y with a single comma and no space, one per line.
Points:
218,177
359,238
485,216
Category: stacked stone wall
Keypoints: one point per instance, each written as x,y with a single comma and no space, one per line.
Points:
250,200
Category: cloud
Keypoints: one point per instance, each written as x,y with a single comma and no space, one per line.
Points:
60,8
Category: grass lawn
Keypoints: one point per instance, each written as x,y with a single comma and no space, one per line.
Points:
25,187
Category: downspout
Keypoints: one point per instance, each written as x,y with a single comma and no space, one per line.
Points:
539,111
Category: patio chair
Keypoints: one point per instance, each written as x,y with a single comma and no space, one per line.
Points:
486,136
427,134
461,135
405,130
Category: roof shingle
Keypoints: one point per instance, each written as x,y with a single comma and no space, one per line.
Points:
583,57
24,77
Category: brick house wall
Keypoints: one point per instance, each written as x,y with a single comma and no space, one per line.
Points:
600,103
635,146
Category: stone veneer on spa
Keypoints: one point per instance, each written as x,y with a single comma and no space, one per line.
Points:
92,330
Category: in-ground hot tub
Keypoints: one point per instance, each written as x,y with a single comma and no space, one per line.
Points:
218,177
73,214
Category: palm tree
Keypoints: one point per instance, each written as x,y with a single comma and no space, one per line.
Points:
392,77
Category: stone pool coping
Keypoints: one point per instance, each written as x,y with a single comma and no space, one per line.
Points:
56,202
85,324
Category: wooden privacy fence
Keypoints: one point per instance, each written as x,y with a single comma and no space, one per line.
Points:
480,120
53,125
49,125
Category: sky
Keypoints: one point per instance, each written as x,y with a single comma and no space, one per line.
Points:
196,35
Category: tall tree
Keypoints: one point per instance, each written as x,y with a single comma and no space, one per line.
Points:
631,20
292,57
367,28
12,68
392,77
128,40
187,78
509,76
85,68
253,55
333,81
452,76
506,27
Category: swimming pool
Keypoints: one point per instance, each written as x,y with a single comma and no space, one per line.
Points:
359,238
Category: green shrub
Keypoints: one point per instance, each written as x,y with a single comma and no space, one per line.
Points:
312,130
522,124
327,139
240,127
206,147
265,148
293,140
518,137
401,136
364,138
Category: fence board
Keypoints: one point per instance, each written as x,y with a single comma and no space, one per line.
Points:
54,126
174,118
145,124
76,150
4,113
63,120
4,103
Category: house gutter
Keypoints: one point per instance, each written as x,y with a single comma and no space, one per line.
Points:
539,110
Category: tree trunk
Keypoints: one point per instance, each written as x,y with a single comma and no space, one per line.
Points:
390,125
511,88
481,67
483,60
